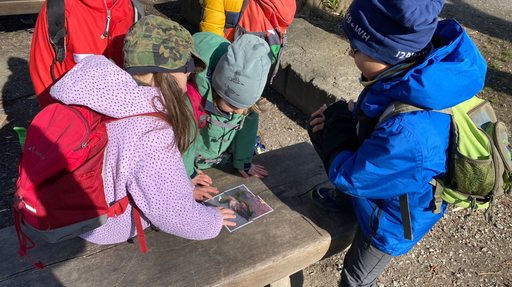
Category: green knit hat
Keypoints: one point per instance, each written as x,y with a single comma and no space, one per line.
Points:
155,44
241,73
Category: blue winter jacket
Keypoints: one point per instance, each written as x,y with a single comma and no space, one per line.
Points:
407,151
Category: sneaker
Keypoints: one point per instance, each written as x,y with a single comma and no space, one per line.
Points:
259,148
331,199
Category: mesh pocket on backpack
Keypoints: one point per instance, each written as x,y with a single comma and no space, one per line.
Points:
471,176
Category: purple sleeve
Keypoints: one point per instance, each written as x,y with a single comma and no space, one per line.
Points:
163,192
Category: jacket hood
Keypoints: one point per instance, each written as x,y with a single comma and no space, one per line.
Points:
284,10
211,47
102,86
452,73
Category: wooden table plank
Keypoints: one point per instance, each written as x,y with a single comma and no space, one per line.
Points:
278,244
17,7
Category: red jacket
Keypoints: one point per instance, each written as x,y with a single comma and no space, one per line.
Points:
85,24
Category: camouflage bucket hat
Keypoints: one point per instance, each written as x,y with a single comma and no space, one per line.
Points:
156,44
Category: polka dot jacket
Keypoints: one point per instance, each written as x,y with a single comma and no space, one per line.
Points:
140,158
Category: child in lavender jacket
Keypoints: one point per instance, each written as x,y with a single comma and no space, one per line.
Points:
143,155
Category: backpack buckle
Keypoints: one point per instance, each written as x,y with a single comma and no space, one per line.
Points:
473,203
18,203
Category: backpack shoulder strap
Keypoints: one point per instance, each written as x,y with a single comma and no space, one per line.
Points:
244,5
398,107
393,109
207,118
138,10
56,19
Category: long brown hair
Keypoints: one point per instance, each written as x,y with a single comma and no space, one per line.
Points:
176,111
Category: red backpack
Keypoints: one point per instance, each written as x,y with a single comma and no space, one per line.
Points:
59,194
267,19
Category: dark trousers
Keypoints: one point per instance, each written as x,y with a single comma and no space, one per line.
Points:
363,263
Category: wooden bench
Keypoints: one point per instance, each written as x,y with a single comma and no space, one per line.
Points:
293,236
17,7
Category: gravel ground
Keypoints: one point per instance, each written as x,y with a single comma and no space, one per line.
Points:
463,249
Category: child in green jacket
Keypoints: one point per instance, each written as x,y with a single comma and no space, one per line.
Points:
226,111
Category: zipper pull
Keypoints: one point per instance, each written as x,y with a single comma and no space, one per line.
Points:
105,34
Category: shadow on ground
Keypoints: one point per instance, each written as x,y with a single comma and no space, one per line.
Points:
17,111
14,23
478,20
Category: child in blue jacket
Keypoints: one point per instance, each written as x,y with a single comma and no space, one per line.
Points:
404,54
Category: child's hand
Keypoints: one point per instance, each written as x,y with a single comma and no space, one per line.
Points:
202,179
204,191
256,170
351,104
318,119
227,214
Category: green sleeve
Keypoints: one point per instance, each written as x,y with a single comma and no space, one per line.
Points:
188,156
243,143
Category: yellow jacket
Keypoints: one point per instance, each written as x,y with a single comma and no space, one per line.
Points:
220,15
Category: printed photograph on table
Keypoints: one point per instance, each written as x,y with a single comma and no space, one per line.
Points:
243,202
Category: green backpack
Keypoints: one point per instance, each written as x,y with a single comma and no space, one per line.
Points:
479,162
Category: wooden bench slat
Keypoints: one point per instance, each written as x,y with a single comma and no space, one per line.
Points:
293,236
18,7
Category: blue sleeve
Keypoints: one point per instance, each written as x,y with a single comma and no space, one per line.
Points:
387,165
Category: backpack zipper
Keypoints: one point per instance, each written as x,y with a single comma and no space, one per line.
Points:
83,143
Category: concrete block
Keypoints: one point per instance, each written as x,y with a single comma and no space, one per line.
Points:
283,282
316,68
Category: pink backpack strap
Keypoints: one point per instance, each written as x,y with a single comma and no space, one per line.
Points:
119,208
140,232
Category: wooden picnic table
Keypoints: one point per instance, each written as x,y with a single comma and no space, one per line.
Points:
293,236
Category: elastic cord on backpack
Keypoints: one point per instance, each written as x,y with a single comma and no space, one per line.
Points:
22,237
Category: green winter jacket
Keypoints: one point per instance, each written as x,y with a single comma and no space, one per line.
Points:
215,142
